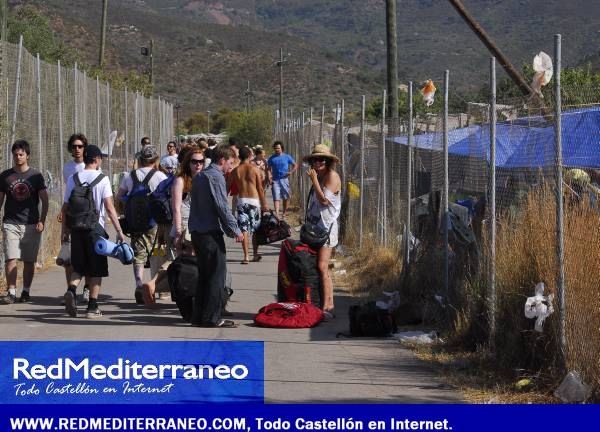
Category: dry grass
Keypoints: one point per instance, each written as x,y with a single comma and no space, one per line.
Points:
373,269
525,256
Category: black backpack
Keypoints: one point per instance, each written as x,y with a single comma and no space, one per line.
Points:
81,209
369,320
183,282
137,209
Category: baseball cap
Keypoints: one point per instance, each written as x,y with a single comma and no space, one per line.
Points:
91,151
148,153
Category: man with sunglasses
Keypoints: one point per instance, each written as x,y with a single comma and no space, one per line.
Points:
76,145
169,162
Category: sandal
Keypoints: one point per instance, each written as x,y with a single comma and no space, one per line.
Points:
245,262
225,323
257,258
328,315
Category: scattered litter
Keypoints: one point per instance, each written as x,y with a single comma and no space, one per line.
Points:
494,400
573,389
298,228
340,272
418,337
542,65
428,92
523,384
539,306
391,303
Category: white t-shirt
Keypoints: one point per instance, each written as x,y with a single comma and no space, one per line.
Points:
127,182
71,168
169,161
101,190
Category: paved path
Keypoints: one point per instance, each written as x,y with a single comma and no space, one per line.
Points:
304,366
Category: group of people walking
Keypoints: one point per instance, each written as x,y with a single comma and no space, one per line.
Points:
196,180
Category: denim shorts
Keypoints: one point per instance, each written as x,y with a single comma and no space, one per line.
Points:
281,189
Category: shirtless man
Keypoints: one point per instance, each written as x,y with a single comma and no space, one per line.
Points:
251,201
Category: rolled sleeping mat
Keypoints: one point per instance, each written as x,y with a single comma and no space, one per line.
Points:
120,251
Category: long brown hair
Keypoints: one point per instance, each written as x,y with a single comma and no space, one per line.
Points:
185,171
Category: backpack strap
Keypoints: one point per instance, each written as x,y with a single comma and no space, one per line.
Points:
97,180
149,177
76,180
134,178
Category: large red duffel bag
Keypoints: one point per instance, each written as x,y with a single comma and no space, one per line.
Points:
289,315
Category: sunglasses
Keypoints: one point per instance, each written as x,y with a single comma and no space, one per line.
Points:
77,146
170,146
197,161
313,160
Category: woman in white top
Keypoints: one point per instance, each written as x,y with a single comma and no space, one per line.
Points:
324,206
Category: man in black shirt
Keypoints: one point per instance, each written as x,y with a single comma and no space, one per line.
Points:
22,225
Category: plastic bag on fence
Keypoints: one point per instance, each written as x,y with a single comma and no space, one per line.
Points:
542,65
573,389
539,306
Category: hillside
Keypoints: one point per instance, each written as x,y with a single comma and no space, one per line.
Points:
208,49
207,66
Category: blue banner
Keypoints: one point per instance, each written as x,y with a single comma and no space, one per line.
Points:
131,372
259,418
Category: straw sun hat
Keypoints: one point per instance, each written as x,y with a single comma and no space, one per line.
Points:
320,151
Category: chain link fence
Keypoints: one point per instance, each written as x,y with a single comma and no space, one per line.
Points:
395,189
45,103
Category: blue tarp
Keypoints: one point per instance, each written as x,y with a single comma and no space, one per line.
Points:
521,145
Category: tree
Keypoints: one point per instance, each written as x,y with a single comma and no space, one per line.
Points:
253,128
196,123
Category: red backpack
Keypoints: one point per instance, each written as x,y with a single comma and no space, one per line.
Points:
288,315
297,273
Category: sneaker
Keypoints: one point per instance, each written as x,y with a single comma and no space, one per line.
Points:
25,297
93,313
70,304
8,299
139,296
85,296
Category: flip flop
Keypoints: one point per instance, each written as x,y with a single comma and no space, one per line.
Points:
245,262
328,315
257,258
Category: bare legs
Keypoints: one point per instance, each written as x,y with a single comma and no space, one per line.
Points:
326,282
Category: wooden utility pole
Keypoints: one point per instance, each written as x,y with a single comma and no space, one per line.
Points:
392,58
248,93
280,64
491,46
152,64
103,33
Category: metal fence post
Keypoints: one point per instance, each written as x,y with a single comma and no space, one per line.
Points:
126,133
13,128
383,174
343,150
492,199
446,191
108,134
75,100
136,123
152,124
409,176
38,86
322,124
60,125
84,103
559,201
362,172
97,111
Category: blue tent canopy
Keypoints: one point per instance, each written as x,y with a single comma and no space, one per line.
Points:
519,144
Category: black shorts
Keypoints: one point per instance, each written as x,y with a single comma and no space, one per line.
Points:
84,259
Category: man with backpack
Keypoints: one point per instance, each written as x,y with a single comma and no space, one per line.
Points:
22,225
210,216
87,201
135,191
76,145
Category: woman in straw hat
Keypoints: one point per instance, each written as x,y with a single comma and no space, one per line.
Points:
324,206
